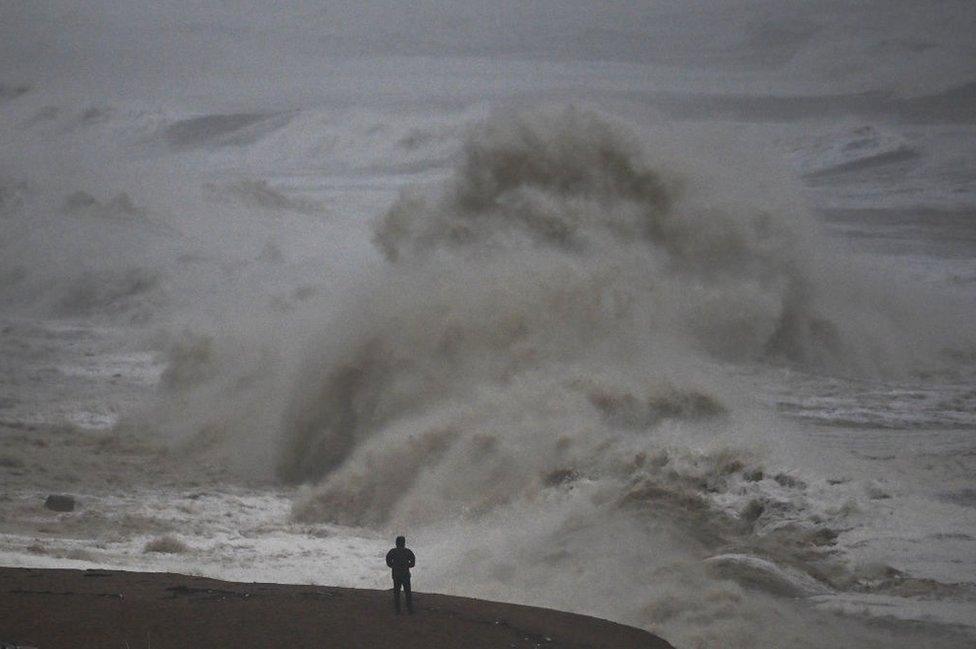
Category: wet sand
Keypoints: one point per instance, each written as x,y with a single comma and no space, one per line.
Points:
52,609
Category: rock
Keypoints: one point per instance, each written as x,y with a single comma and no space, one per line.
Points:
60,503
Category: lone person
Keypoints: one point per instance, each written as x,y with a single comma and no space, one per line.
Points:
401,560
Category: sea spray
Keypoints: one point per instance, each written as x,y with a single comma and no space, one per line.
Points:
542,385
545,377
556,248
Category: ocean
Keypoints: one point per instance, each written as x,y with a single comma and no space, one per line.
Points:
649,314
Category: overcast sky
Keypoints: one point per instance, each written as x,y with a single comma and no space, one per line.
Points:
778,45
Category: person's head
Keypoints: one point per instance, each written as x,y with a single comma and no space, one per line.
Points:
401,542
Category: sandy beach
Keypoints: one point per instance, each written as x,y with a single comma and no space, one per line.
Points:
49,609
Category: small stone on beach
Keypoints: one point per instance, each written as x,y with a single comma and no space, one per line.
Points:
60,503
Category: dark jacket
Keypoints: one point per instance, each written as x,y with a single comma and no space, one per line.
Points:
401,560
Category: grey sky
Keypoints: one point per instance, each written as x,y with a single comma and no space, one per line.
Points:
773,46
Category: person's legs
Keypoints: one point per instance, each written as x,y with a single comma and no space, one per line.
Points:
396,595
406,593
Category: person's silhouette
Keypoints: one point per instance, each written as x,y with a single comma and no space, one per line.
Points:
401,560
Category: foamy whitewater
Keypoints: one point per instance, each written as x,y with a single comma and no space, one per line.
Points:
654,315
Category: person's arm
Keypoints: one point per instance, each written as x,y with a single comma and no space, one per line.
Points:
389,559
411,558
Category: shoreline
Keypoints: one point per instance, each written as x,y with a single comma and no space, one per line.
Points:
51,608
